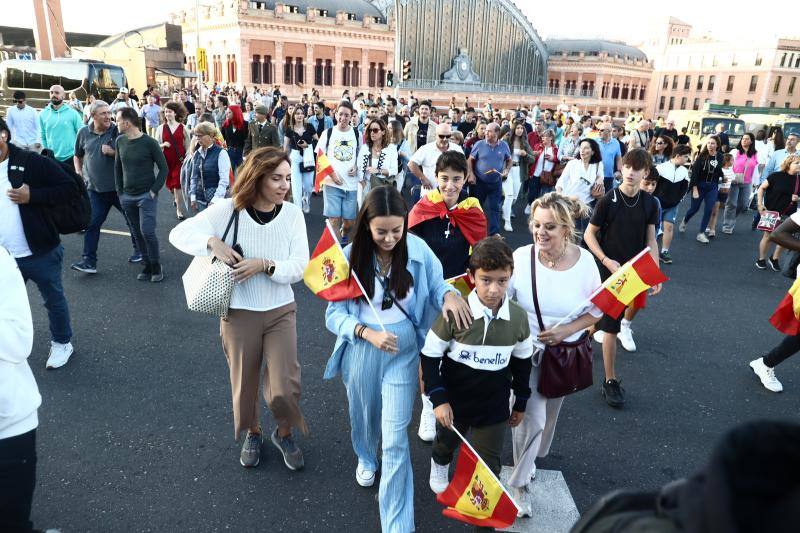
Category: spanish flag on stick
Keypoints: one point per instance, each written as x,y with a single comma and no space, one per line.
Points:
475,495
786,317
462,283
632,279
328,272
323,168
466,216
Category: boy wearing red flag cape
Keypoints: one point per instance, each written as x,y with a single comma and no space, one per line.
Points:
450,223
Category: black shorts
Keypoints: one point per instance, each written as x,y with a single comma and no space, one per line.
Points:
609,324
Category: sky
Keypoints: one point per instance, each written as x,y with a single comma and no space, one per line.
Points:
583,18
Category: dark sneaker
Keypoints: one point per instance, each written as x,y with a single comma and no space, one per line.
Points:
145,274
251,450
84,266
775,264
665,257
156,273
761,264
613,393
135,258
292,455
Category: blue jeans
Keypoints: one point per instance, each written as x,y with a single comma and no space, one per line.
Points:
381,389
534,188
102,202
338,203
490,195
45,271
608,183
708,194
141,212
235,155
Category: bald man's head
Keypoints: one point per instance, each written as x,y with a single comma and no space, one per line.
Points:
443,134
56,95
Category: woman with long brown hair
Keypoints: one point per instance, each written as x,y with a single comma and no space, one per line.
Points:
377,158
270,253
174,139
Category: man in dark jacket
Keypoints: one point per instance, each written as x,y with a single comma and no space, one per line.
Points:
29,234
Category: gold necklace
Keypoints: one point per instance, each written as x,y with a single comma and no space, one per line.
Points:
552,262
383,265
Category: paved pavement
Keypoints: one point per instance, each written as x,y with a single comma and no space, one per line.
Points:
136,432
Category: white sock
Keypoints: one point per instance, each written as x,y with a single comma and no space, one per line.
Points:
664,250
626,323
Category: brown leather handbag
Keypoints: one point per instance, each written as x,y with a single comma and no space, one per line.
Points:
567,366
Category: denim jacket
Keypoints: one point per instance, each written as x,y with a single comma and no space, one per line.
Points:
426,270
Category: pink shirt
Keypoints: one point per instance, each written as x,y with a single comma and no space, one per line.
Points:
744,165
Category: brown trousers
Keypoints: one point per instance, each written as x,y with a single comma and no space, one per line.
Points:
250,339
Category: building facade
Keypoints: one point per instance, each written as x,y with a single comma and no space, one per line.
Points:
330,45
690,71
601,77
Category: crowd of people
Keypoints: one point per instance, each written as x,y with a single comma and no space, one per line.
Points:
416,196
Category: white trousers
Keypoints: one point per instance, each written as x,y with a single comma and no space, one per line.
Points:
534,435
510,191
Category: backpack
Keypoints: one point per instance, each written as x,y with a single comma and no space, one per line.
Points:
72,214
625,511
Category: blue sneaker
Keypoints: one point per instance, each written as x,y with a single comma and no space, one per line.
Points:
84,266
135,258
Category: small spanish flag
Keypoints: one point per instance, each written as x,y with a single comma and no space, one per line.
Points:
475,495
624,285
324,169
328,272
467,215
786,317
462,283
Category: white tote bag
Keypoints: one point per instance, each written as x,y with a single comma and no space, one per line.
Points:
208,282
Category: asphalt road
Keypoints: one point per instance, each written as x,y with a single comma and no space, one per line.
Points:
136,432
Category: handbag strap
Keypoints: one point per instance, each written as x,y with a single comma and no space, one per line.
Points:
182,151
533,286
235,221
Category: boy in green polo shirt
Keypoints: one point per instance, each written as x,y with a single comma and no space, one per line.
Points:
469,373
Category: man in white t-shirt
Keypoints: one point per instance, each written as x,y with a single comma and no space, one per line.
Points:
423,162
340,145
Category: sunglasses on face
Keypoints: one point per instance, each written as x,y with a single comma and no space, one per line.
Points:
444,136
659,142
375,130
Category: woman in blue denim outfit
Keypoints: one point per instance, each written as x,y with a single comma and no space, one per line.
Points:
403,279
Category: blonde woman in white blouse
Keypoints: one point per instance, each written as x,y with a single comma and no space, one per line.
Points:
377,158
566,275
261,324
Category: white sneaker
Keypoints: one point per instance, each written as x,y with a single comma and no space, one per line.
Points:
439,477
427,421
507,226
522,499
625,337
766,375
701,237
528,210
599,336
59,354
682,226
364,477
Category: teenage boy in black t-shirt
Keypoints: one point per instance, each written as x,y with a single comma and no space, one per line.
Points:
623,224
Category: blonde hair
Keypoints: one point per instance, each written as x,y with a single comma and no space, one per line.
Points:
565,212
206,128
788,162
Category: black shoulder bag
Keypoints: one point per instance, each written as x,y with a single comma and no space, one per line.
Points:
566,367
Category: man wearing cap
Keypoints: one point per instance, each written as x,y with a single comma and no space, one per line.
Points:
23,121
123,101
260,132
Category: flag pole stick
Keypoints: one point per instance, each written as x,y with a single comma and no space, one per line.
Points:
597,291
355,276
453,429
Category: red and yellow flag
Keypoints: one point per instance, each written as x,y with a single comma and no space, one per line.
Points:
467,215
328,272
323,168
475,496
786,317
462,283
632,279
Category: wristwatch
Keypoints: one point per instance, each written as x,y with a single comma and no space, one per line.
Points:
270,268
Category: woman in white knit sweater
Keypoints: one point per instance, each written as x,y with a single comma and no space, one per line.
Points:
271,254
19,401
